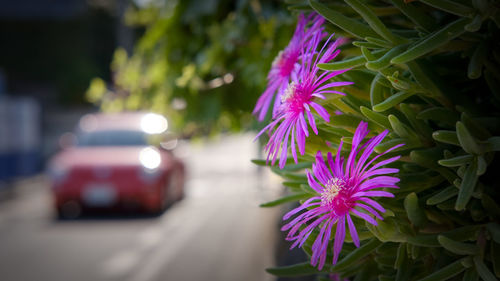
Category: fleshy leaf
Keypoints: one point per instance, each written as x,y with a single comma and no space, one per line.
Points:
414,211
446,272
467,186
300,269
433,41
458,248
348,24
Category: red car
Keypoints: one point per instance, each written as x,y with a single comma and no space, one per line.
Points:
113,162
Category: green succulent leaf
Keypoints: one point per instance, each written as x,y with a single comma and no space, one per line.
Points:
424,240
458,248
346,23
446,272
377,90
367,54
356,255
495,257
385,61
494,230
392,101
387,231
259,162
481,165
423,129
494,144
286,199
404,271
293,167
400,256
483,270
467,186
365,44
466,140
451,7
464,233
403,130
490,206
456,161
470,275
418,16
439,114
376,117
445,194
414,211
371,18
344,64
345,121
379,42
477,61
433,41
444,136
384,278
300,269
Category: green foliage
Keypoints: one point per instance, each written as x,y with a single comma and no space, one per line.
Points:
196,62
429,72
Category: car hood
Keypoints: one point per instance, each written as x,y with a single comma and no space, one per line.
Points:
99,156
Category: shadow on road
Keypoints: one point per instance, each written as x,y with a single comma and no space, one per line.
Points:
120,214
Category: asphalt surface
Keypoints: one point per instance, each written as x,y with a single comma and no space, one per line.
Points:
217,232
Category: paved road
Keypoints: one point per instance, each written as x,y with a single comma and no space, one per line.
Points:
216,233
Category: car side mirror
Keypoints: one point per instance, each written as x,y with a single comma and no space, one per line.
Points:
169,141
67,140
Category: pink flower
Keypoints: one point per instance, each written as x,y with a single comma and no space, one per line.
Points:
286,64
344,189
299,99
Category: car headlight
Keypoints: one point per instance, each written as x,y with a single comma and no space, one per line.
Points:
154,123
150,158
148,175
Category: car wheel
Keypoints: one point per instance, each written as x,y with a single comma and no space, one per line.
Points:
180,185
69,210
169,190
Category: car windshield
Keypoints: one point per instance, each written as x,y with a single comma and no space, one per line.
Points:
112,138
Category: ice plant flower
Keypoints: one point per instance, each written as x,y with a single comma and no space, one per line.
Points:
344,188
286,64
300,98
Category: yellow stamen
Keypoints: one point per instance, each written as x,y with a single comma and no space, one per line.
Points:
332,189
289,92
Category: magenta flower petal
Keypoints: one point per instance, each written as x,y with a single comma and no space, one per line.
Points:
298,101
321,111
311,121
370,210
344,188
373,203
376,193
292,145
286,65
339,238
313,184
364,216
353,231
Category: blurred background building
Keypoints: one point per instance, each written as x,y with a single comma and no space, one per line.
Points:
50,51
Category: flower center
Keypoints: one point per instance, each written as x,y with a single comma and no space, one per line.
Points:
336,196
332,189
285,61
278,60
295,97
289,92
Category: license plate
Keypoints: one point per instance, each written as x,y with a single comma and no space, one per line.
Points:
99,195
